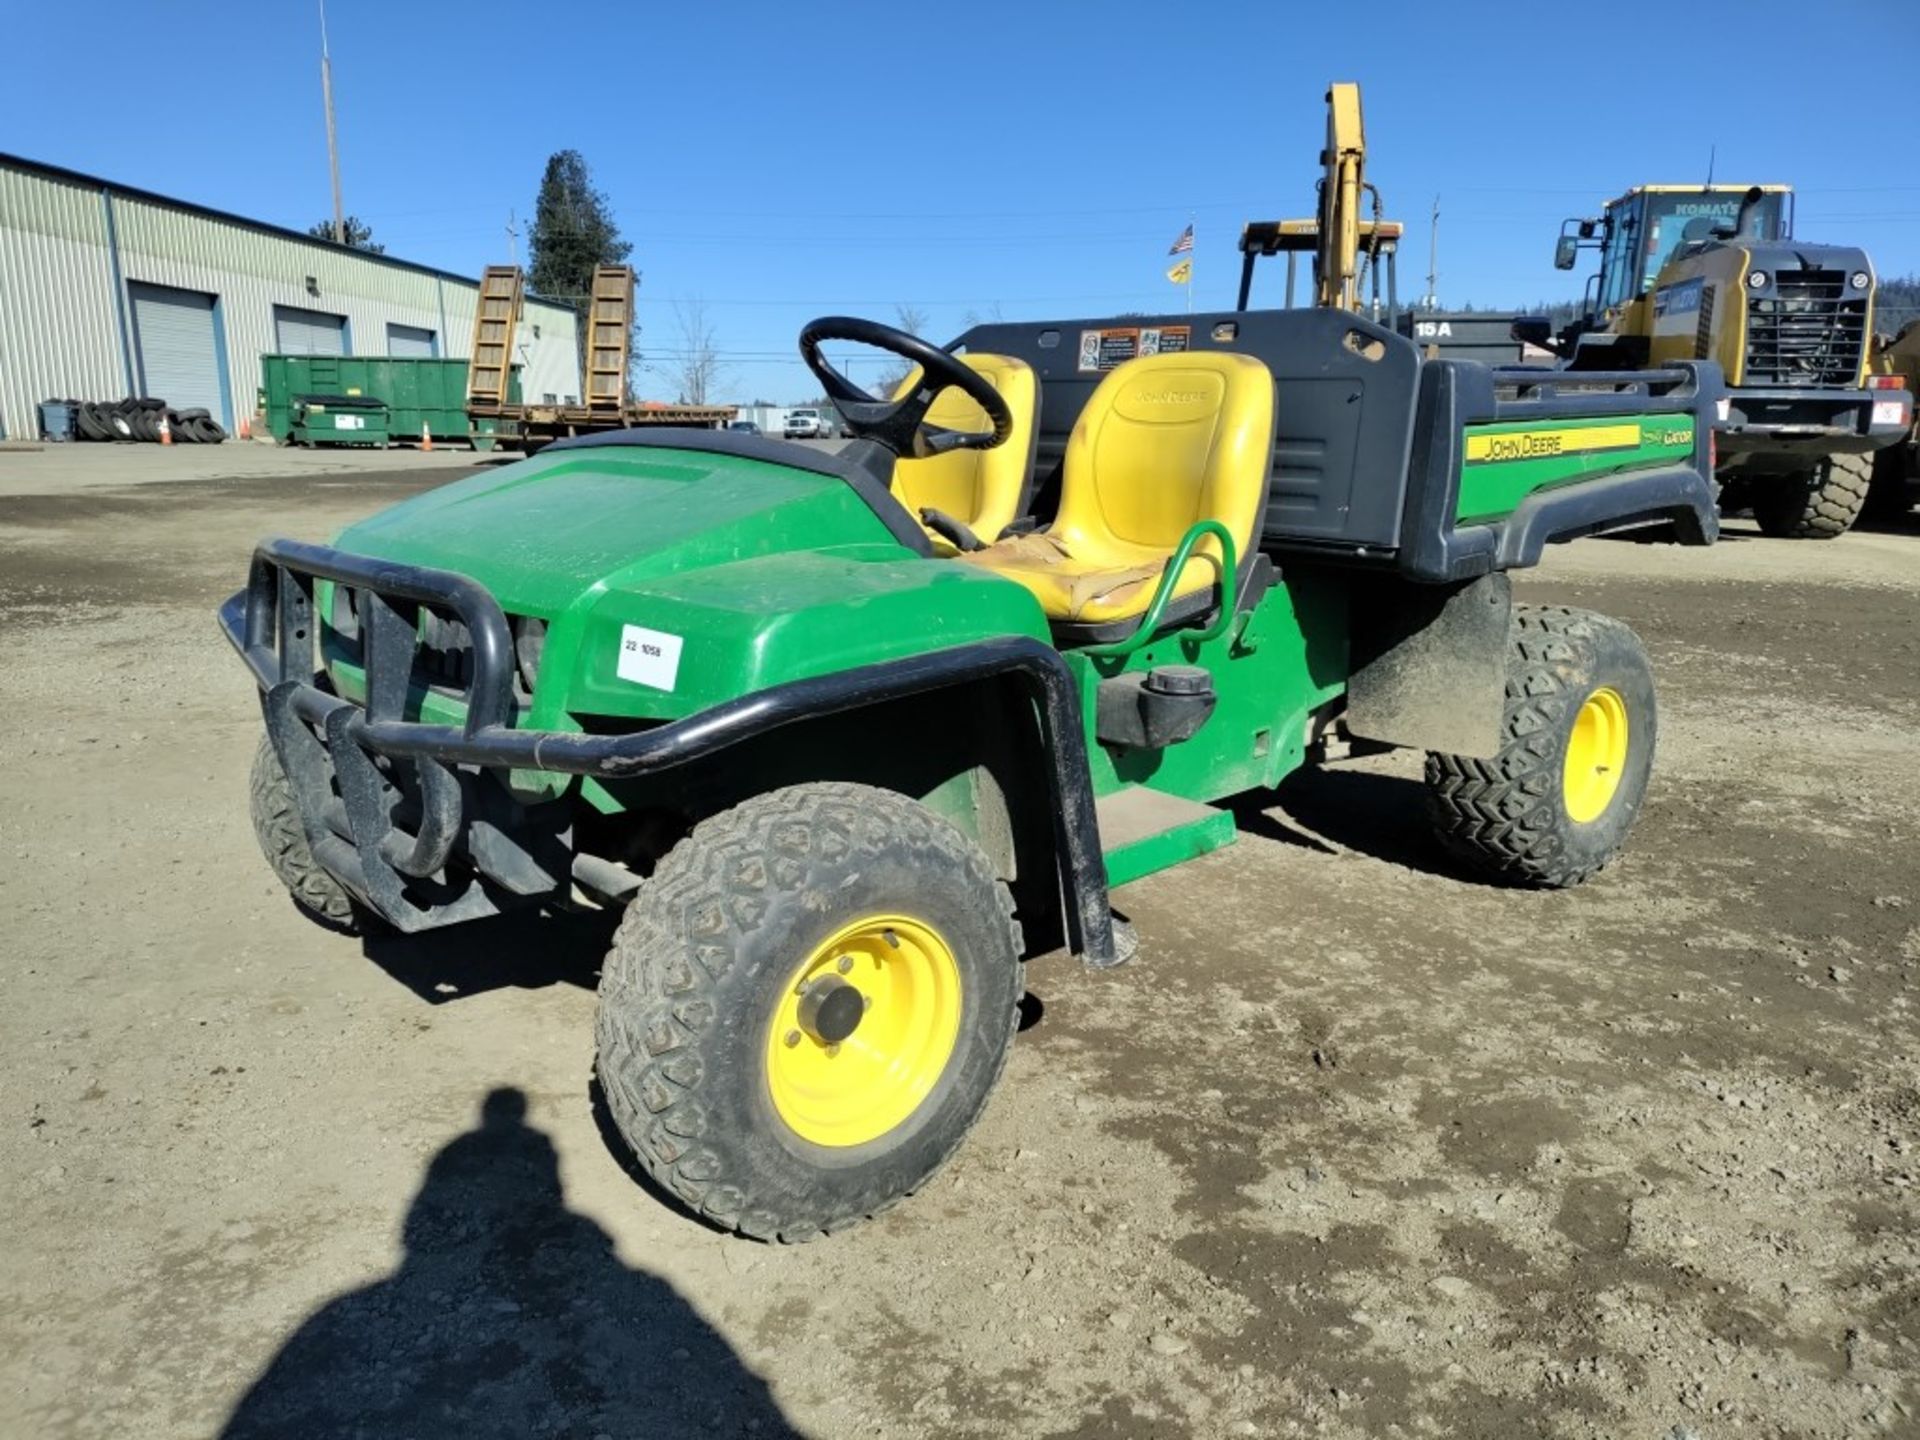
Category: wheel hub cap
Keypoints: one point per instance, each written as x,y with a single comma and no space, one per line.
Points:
1596,755
830,1011
862,1030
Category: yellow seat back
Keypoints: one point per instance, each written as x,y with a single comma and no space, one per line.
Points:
1165,441
983,489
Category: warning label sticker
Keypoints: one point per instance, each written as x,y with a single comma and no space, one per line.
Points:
1102,350
1165,340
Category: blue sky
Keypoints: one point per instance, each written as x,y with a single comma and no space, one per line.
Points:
1032,159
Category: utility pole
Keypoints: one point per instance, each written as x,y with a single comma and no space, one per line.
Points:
333,144
1432,302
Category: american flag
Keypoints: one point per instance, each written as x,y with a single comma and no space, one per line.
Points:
1184,245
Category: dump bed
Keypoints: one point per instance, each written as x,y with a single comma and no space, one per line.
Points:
1441,469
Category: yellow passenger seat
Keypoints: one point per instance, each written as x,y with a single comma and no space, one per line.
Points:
1165,441
982,489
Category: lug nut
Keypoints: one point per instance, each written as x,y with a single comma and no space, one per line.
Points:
846,963
793,1038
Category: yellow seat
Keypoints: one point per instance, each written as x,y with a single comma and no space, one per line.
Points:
982,489
1165,441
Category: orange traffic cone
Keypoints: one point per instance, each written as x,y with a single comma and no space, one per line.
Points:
166,430
426,438
246,429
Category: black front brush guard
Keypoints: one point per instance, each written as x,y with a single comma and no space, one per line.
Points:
272,624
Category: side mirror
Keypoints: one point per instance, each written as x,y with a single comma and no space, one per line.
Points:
1566,253
1533,330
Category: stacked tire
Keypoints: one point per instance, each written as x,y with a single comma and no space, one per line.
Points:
137,420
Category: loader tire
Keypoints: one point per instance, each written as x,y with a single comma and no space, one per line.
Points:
1577,742
806,1007
283,840
1818,503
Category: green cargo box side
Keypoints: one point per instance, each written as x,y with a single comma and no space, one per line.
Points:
418,393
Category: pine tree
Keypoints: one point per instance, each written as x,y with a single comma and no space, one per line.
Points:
573,231
359,234
1896,303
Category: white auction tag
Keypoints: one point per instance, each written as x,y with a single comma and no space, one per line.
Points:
649,657
1889,412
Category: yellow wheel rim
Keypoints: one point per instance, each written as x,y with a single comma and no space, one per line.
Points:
1596,755
863,1030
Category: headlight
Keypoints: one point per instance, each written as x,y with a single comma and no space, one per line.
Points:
345,618
1859,279
529,643
1757,280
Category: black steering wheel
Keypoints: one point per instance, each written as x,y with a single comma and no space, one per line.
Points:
899,425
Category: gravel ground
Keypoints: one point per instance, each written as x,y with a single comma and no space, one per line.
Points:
1355,1148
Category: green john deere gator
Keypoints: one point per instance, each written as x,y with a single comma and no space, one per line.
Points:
850,736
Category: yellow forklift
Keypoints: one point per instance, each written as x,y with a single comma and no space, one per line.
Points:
1713,272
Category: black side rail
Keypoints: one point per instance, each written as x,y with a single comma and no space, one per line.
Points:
1455,394
271,625
1543,394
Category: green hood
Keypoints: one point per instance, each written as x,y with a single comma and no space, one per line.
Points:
541,533
747,572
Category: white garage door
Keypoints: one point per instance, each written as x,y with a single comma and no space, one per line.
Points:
308,332
410,342
179,358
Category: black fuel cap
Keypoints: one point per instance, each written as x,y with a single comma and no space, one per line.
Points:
1180,680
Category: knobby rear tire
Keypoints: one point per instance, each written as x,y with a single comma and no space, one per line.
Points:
1507,818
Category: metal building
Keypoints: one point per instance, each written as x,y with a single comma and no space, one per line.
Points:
107,290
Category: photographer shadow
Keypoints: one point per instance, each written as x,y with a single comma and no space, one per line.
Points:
510,1315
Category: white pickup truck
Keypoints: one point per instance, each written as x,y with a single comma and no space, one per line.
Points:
807,425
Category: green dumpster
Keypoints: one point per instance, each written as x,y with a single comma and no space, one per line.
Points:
429,394
339,420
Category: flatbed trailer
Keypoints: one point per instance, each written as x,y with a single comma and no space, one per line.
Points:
529,427
608,356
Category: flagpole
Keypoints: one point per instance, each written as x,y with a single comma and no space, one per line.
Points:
1181,272
1192,255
